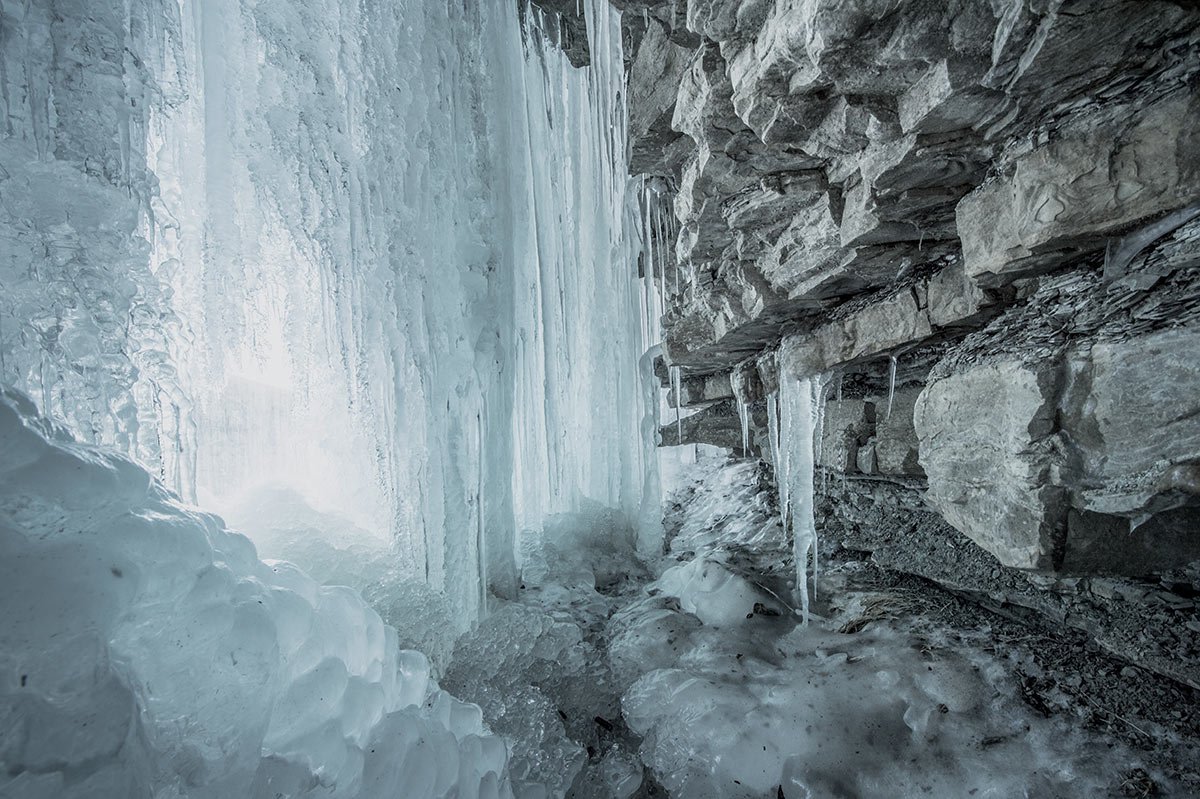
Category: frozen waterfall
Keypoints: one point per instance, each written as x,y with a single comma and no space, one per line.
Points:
367,266
372,254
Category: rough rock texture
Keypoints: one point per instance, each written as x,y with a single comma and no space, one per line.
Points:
998,200
985,215
990,479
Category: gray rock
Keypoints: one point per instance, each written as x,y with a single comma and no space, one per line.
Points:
867,332
896,443
987,445
1106,170
947,97
953,298
835,207
1131,415
653,84
846,424
703,389
717,424
1109,433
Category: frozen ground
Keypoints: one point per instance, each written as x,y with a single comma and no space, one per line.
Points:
149,652
701,683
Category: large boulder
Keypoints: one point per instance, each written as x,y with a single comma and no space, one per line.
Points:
1131,414
1087,462
988,446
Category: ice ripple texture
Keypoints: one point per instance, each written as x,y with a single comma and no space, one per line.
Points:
146,651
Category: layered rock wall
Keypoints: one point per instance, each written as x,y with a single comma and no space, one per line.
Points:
979,224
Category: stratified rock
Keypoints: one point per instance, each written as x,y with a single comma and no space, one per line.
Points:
862,180
869,331
1109,431
847,424
717,424
703,389
1105,171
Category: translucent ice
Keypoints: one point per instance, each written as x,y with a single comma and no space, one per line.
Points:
799,402
381,254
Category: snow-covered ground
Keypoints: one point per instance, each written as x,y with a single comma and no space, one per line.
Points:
703,682
147,651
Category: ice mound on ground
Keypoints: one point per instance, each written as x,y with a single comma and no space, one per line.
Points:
334,551
517,666
716,595
146,651
537,668
814,714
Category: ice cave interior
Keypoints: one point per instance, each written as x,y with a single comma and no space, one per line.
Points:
747,399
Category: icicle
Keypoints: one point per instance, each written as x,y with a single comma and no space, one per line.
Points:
820,384
891,384
744,416
773,431
738,384
794,475
676,384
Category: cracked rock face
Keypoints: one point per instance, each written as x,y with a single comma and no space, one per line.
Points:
994,200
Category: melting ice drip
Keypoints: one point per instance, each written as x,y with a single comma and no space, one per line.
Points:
793,417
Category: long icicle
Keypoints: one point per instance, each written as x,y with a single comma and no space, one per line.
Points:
676,382
891,384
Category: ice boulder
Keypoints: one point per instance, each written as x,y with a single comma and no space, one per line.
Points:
145,650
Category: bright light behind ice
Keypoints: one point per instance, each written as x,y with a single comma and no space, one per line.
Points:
377,256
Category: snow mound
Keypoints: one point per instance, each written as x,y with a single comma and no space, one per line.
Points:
334,551
147,651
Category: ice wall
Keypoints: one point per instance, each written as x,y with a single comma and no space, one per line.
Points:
581,315
374,253
85,324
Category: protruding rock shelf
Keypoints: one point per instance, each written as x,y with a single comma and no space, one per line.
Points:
979,224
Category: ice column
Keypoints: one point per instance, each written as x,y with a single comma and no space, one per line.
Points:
580,407
795,422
